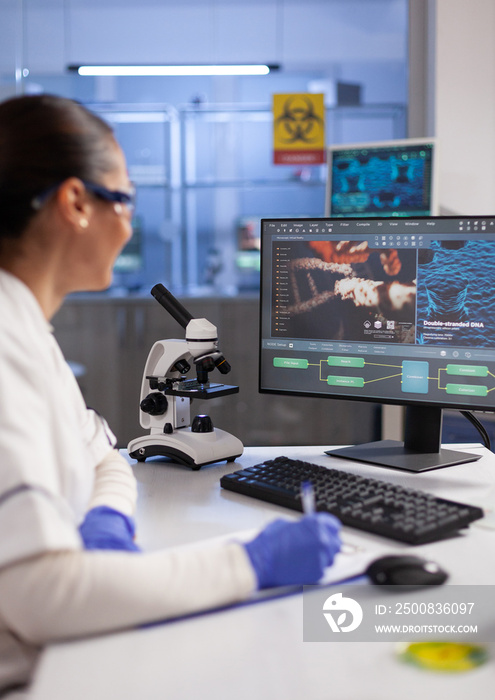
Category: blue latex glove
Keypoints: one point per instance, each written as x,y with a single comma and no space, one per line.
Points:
294,553
106,528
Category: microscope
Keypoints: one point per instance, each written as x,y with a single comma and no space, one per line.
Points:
166,394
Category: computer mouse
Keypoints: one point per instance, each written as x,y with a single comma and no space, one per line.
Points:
406,570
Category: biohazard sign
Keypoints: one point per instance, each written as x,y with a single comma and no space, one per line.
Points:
298,129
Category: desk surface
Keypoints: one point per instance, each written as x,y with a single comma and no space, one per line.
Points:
257,651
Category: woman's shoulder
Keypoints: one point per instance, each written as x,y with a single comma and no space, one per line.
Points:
19,309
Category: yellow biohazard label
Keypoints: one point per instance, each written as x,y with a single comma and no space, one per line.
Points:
298,129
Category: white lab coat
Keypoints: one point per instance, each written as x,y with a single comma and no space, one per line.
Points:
51,447
49,442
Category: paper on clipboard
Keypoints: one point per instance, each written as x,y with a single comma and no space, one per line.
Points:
350,562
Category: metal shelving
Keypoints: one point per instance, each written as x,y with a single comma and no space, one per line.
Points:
200,170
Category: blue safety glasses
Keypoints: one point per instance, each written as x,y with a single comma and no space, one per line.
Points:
128,199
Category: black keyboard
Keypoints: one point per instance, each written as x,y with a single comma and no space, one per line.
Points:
400,513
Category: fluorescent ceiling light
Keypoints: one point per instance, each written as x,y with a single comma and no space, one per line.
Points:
240,69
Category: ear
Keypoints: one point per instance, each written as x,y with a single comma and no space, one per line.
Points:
73,203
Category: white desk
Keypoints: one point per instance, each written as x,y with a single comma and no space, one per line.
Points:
256,651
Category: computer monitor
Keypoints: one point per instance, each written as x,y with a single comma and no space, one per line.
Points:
392,311
388,178
130,259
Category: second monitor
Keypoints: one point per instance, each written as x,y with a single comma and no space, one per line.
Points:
387,178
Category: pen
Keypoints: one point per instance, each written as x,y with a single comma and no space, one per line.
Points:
309,508
308,498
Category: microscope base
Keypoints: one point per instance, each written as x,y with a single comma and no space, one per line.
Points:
185,447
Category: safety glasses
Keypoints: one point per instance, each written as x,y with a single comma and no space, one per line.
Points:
128,199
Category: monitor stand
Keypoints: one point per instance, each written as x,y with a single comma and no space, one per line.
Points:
420,450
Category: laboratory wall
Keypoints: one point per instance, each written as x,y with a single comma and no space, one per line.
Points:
319,34
349,40
11,46
464,103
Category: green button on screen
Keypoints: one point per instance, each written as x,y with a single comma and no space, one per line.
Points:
466,390
357,382
334,361
468,370
290,363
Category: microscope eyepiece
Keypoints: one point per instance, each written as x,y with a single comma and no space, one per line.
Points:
171,304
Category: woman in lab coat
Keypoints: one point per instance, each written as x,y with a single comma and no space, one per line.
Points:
69,563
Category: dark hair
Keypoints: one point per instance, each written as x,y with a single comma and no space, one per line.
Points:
44,140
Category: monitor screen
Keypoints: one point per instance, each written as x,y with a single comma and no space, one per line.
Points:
388,178
394,311
131,257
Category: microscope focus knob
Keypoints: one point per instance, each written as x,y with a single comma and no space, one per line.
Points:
202,424
155,404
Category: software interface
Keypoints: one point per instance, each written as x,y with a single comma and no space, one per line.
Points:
393,179
390,310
